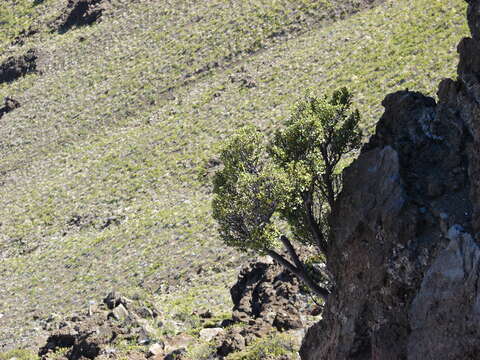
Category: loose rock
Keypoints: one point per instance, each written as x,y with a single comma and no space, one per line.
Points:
10,104
79,13
179,354
210,333
120,313
156,349
14,68
232,341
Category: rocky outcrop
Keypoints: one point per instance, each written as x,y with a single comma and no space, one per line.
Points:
266,298
79,13
17,66
445,313
93,334
404,251
9,105
267,294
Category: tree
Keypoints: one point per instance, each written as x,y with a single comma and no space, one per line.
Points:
274,192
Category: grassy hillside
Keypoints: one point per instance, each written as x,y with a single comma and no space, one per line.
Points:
100,171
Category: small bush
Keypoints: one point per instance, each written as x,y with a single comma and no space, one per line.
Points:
272,347
290,179
19,354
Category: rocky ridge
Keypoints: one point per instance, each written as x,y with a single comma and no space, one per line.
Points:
267,300
404,251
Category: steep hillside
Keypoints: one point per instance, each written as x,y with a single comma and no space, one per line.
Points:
104,165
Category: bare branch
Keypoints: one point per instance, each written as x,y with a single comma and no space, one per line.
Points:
313,225
301,274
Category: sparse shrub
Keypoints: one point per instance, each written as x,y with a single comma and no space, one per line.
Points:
19,354
58,354
274,346
202,351
280,190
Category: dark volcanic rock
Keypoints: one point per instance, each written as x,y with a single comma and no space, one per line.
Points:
231,342
92,335
266,298
79,13
16,67
445,313
265,291
179,354
9,105
404,254
84,339
112,300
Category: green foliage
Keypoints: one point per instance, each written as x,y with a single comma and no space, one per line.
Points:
316,137
203,351
289,178
318,133
19,354
249,190
15,16
98,135
58,354
272,347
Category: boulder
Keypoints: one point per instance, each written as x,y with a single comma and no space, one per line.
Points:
120,313
114,299
156,349
232,341
179,354
79,13
15,67
10,104
209,334
145,313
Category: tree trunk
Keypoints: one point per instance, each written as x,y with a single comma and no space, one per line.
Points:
301,274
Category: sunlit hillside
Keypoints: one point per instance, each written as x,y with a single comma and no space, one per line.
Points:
104,169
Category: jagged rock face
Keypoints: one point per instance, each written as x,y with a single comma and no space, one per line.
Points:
445,313
462,98
268,295
404,255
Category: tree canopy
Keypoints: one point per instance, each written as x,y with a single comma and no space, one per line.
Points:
272,192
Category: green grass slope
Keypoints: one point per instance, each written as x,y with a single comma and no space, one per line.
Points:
101,168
